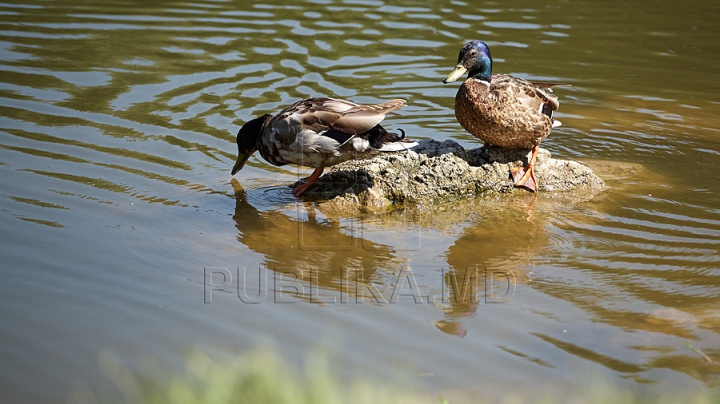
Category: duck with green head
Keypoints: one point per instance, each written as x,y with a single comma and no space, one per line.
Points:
319,133
503,110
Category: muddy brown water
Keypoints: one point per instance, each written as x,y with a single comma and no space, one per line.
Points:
116,142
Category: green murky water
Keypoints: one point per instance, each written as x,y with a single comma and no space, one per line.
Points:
116,142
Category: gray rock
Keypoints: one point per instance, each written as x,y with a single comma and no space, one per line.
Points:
439,171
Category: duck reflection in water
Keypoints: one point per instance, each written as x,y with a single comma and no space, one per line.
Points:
314,250
483,270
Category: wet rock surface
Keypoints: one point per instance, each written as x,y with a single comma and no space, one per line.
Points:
440,171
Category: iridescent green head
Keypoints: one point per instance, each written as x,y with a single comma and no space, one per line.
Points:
475,59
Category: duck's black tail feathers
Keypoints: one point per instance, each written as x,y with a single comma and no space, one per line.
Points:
383,140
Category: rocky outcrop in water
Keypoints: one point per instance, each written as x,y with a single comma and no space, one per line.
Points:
435,171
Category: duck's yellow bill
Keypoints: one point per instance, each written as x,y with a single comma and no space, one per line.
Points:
455,74
239,163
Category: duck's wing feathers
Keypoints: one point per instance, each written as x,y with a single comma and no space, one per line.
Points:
534,96
355,119
325,125
322,114
544,85
362,124
545,90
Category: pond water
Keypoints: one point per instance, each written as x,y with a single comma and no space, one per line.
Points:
121,222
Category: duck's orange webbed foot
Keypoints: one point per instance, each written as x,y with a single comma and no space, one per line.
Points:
300,189
525,176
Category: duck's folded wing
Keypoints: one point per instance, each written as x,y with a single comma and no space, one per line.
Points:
533,97
545,85
360,118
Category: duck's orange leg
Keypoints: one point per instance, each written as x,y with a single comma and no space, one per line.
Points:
525,177
300,189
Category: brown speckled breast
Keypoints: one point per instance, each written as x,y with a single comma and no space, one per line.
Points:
505,113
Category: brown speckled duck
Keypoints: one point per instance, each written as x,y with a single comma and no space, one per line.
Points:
503,110
319,133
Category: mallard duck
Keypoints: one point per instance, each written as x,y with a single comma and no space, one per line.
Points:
503,110
319,133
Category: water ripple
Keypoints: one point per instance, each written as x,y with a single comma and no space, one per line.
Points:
117,135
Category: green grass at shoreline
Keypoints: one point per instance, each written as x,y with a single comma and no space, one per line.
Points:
262,376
